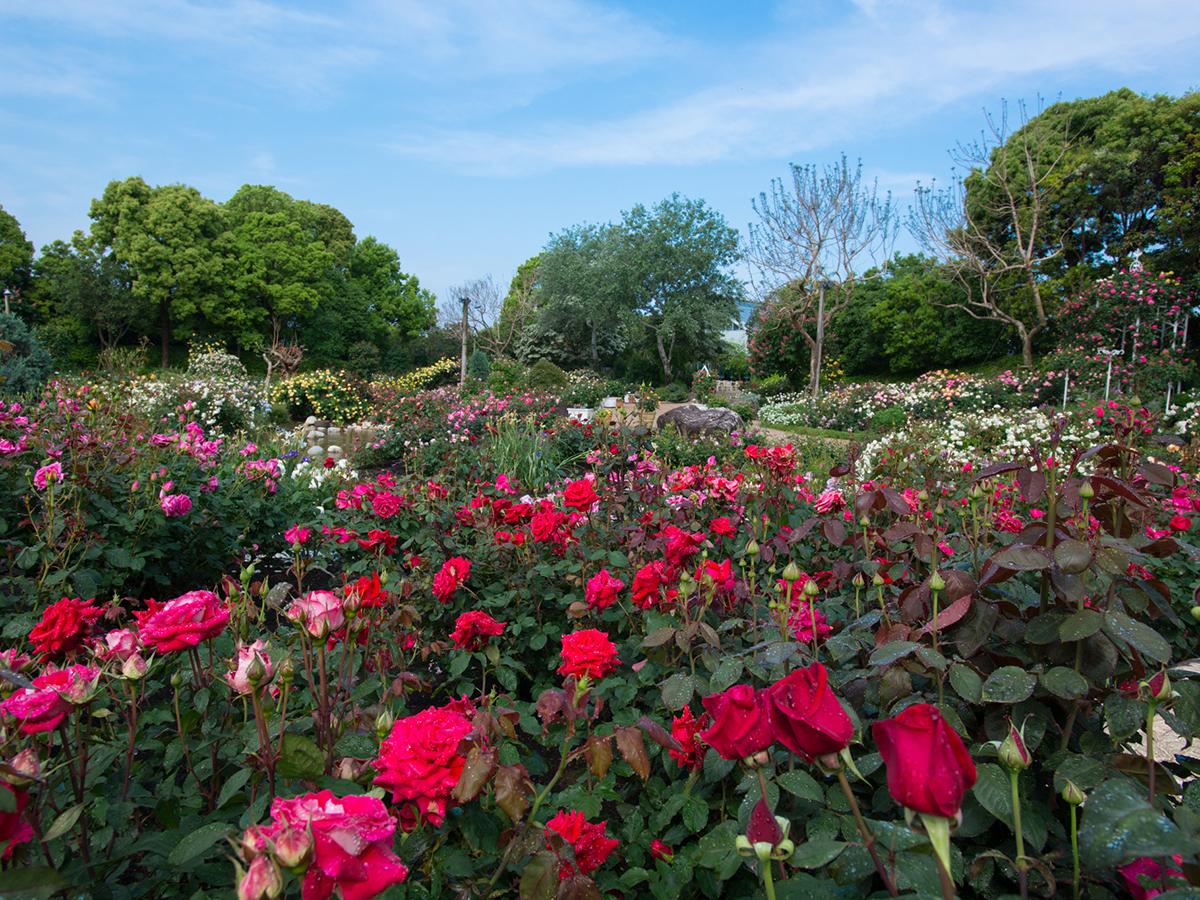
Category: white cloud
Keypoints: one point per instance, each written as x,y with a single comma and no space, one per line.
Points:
896,61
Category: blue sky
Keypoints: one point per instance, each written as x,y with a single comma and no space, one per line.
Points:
463,132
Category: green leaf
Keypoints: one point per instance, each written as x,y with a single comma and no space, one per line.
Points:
234,785
356,746
1065,683
1124,715
726,675
1080,624
1082,771
993,790
695,814
300,758
1144,639
814,854
717,846
1044,629
677,690
1021,558
1072,556
539,878
1008,684
8,802
1120,825
459,663
38,883
63,823
198,842
891,651
800,784
966,683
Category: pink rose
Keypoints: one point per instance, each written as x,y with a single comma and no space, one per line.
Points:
319,611
251,656
183,622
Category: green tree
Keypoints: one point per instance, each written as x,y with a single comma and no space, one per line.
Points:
170,239
675,261
79,281
396,299
16,253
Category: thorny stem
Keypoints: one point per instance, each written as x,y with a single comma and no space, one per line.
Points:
865,832
1022,865
1075,849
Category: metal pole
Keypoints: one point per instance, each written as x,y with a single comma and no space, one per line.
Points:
462,374
1108,377
1066,383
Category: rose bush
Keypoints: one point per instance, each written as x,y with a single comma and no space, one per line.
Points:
643,679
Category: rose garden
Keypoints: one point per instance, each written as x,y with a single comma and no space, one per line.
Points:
905,605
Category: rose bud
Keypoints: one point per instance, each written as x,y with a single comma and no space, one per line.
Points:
1086,491
741,726
791,572
752,548
1072,794
810,588
134,668
261,882
928,767
936,582
806,716
1014,755
294,848
661,851
24,768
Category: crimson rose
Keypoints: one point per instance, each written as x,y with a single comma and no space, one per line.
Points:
741,726
805,715
928,768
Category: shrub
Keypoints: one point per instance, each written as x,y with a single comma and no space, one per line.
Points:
363,358
585,389
772,386
123,362
675,392
734,362
888,419
506,375
478,366
24,362
324,393
704,386
544,375
747,411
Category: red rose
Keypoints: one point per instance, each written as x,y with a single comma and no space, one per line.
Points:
183,622
721,574
386,505
420,764
14,831
602,590
741,726
450,577
928,767
587,840
1180,523
805,715
580,495
685,728
64,627
368,592
588,653
350,842
545,523
473,628
722,527
678,544
329,462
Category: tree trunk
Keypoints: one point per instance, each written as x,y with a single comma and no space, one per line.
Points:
595,353
164,326
663,356
1026,347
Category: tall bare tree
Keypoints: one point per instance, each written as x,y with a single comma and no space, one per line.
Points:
815,233
992,226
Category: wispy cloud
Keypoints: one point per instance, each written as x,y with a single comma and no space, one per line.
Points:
890,63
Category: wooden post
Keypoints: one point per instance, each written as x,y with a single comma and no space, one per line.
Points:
462,375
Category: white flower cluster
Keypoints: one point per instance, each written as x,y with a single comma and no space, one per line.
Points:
216,392
1185,417
313,475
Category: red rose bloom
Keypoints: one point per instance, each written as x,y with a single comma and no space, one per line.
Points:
42,707
649,582
351,844
580,495
450,577
473,628
1180,523
602,590
588,653
685,728
14,831
386,505
928,768
181,623
805,715
589,845
722,527
545,523
678,544
368,590
741,726
721,574
64,627
420,764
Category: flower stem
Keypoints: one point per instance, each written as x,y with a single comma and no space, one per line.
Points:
1150,747
1075,849
865,832
1022,866
767,879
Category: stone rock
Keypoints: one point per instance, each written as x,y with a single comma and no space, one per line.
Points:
315,452
334,450
311,420
692,421
334,432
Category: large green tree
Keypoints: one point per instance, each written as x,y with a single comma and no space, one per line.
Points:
79,281
16,253
170,238
676,259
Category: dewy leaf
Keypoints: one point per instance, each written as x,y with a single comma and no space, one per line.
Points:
726,675
817,853
1065,683
677,690
966,683
1072,556
300,758
539,878
63,823
632,746
1080,624
1142,638
199,841
892,651
39,883
1008,684
1119,825
1022,558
